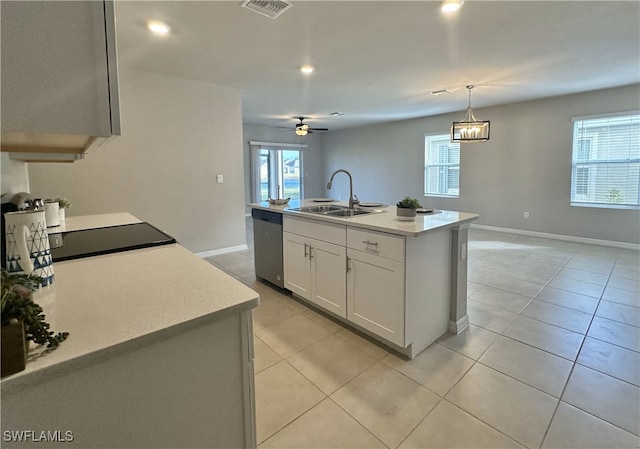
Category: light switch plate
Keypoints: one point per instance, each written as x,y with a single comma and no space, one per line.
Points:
219,179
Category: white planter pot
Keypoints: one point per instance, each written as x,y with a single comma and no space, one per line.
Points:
52,213
405,214
62,214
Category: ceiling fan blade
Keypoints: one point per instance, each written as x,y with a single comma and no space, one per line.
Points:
319,129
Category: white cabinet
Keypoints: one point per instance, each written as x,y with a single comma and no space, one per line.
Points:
393,288
59,78
315,263
376,283
297,265
375,295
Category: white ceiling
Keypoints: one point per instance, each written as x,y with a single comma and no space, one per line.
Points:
378,61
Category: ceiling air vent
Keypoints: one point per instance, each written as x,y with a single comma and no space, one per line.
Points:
267,8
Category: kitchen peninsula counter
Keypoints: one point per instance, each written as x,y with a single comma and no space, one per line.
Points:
82,222
404,283
153,332
385,221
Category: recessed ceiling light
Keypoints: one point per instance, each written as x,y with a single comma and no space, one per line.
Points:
441,91
337,114
307,69
451,5
159,28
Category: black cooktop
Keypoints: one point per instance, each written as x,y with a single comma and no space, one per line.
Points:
114,239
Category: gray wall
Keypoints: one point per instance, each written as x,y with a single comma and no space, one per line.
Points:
526,166
15,175
311,156
177,134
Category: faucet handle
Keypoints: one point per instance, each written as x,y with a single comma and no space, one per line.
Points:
355,199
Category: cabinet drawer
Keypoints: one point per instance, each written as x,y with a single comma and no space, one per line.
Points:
326,232
379,243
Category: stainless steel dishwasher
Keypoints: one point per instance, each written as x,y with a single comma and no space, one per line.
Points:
267,243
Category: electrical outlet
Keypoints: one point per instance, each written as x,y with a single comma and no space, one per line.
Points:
219,179
463,251
525,215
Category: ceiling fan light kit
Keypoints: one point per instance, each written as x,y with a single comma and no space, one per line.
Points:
302,129
470,129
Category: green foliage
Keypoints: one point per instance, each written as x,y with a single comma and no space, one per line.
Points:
614,196
409,203
17,302
63,203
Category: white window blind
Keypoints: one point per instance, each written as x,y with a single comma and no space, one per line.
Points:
606,161
441,166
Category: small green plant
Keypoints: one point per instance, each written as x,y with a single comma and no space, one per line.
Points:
63,203
614,196
17,304
409,203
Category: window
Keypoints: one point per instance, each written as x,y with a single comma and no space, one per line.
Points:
441,166
606,161
276,165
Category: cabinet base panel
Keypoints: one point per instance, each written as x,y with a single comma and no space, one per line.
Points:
409,352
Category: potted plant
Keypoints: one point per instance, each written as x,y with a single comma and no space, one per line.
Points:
63,204
406,208
22,321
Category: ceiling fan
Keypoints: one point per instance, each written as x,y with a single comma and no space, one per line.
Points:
302,129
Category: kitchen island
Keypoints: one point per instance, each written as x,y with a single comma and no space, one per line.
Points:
402,283
160,354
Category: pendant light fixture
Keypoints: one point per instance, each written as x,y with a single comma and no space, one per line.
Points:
470,129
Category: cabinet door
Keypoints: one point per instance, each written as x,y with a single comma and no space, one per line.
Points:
328,282
54,68
297,272
375,295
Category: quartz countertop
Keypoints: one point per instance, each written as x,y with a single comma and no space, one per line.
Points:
81,222
385,221
118,302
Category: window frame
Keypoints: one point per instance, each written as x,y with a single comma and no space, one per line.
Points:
448,166
585,166
275,160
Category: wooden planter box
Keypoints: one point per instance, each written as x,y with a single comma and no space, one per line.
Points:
14,348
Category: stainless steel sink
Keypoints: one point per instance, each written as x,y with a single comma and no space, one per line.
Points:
335,211
320,209
348,212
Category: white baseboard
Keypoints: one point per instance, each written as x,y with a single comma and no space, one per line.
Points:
455,327
217,252
568,238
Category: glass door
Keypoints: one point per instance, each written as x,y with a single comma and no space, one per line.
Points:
277,171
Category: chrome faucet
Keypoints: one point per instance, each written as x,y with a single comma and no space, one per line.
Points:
353,200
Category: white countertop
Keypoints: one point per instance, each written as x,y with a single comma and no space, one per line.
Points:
78,223
118,302
385,221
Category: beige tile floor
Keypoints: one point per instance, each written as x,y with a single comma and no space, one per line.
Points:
551,359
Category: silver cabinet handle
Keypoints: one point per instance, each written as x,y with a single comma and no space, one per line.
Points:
306,254
310,252
367,242
348,264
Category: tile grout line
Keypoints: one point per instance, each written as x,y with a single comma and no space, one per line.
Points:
573,366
